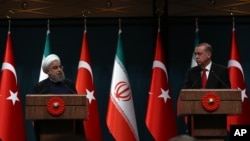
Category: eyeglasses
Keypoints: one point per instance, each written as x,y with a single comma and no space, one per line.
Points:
56,67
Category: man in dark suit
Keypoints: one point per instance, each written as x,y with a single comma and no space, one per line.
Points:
216,76
56,83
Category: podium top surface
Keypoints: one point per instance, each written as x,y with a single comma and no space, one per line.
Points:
197,94
41,106
196,102
42,99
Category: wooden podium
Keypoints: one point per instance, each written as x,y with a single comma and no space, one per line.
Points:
208,109
57,115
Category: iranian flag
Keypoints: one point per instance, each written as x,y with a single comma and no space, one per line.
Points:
193,64
46,52
196,42
121,119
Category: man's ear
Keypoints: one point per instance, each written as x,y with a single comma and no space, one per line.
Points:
209,55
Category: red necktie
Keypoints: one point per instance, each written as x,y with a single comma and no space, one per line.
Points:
204,78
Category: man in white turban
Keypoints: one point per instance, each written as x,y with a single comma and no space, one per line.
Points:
55,84
49,59
51,65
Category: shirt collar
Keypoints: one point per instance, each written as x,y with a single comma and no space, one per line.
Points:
208,67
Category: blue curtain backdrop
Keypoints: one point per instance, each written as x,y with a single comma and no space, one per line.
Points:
139,34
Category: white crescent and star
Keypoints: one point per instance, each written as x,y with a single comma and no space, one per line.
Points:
90,95
85,65
164,93
235,63
243,94
10,67
13,95
159,64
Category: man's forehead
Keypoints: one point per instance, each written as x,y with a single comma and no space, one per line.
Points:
199,49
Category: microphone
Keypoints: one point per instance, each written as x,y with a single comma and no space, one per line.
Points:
218,78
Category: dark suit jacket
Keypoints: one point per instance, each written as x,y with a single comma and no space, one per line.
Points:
44,88
218,78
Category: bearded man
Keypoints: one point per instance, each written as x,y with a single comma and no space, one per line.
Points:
56,84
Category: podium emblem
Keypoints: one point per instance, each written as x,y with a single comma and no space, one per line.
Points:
210,101
55,106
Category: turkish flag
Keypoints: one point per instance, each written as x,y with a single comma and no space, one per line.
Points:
85,85
237,80
160,117
12,126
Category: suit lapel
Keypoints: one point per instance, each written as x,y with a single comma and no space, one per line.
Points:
211,78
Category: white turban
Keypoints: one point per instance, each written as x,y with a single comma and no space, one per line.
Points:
48,60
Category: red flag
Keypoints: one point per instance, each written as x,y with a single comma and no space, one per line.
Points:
237,80
12,126
85,85
160,118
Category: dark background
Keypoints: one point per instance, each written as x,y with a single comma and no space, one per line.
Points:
139,35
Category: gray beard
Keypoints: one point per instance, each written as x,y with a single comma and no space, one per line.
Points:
58,78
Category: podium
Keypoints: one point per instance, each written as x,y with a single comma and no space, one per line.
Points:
208,109
57,115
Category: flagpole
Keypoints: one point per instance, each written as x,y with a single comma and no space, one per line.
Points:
9,26
196,23
85,20
120,23
48,24
233,22
159,23
159,12
85,23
